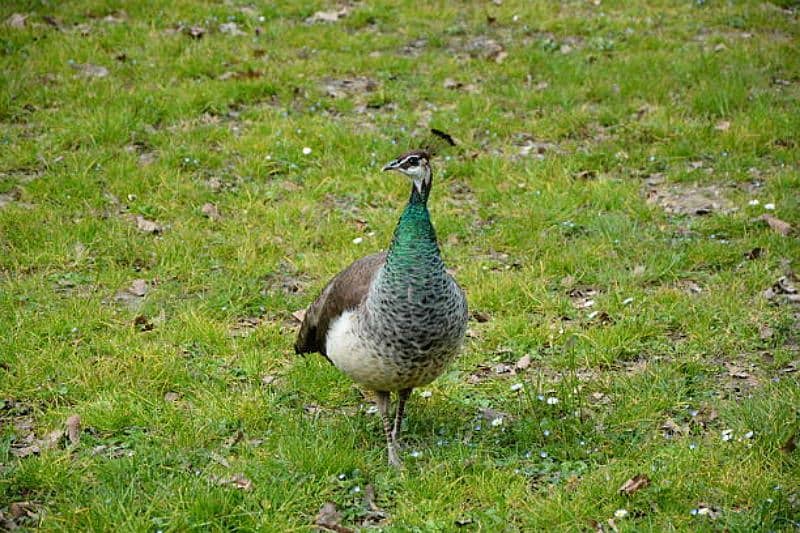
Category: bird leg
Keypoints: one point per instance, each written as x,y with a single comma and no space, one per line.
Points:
402,396
384,399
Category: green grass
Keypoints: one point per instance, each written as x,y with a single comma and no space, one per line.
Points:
621,94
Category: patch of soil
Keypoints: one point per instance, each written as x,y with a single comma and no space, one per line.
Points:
689,199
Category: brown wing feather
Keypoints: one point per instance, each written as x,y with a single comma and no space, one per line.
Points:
345,291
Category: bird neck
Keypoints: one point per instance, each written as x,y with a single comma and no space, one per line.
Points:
414,237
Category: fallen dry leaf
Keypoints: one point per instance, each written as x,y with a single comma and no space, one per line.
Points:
231,28
268,379
634,484
195,32
74,429
777,225
523,363
91,71
171,396
328,16
143,323
671,428
340,88
138,288
147,226
237,481
723,125
234,439
481,316
299,315
329,518
16,21
210,211
486,48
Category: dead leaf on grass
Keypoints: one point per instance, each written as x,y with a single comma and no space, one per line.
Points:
142,323
16,21
210,211
672,428
234,439
268,379
330,519
249,74
777,225
147,226
231,28
74,429
171,396
753,254
89,70
195,32
237,481
299,315
634,484
723,125
480,316
340,88
783,288
523,363
328,16
486,48
374,514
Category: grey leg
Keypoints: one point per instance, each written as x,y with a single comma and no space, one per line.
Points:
384,399
402,397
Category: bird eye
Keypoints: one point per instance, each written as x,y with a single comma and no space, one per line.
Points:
413,161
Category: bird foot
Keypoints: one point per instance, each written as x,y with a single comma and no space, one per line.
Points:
394,458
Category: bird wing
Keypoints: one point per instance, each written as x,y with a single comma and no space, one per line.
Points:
345,291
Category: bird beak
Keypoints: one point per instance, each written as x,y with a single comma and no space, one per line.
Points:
392,165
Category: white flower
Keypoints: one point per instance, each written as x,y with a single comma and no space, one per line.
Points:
552,400
620,513
769,207
306,150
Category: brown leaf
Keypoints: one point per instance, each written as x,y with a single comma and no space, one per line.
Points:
523,363
753,254
723,125
777,225
195,32
74,429
231,28
634,484
330,519
143,323
147,226
171,396
237,481
268,379
16,21
23,509
671,427
481,316
328,16
234,439
25,451
210,211
138,288
91,71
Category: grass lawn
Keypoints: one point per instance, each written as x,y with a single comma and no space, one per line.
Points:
178,178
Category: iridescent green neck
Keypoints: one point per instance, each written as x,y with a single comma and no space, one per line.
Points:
414,237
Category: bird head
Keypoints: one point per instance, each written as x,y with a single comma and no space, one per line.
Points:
414,164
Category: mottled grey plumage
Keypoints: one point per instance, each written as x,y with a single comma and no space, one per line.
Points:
392,321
